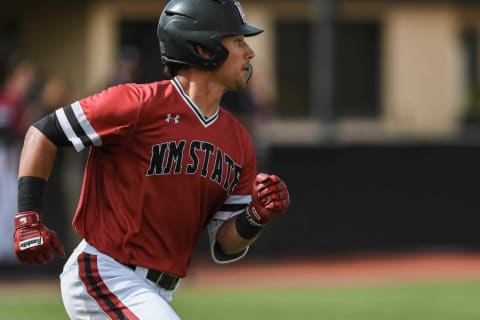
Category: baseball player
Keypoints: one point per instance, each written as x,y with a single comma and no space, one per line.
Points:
165,162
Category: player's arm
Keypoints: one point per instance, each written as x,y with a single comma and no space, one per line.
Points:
107,117
230,241
34,243
38,155
270,200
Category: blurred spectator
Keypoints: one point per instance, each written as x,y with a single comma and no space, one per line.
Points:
14,91
15,88
127,68
55,94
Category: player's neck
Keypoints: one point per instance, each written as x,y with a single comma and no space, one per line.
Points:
205,93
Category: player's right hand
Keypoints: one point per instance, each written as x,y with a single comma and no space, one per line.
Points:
270,199
35,243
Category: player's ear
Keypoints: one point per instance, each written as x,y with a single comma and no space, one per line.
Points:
204,52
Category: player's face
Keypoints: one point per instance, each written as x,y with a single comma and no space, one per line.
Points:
233,73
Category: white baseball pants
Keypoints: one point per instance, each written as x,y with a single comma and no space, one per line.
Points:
94,286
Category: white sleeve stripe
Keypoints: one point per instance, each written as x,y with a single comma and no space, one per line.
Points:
85,124
68,130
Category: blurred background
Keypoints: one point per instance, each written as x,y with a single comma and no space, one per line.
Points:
370,111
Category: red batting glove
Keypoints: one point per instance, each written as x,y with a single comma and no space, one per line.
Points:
35,243
270,199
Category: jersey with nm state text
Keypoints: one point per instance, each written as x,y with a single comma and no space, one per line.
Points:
157,173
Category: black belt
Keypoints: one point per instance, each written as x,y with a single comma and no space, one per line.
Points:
163,280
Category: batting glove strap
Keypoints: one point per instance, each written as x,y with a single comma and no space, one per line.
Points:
27,218
253,217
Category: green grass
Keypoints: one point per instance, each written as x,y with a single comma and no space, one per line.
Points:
452,301
31,305
439,301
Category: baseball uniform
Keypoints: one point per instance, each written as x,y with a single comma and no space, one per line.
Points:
158,173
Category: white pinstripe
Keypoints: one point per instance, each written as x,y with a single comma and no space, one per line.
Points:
87,127
68,130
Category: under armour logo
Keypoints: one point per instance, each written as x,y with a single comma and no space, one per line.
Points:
174,118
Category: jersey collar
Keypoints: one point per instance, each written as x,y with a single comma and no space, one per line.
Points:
196,110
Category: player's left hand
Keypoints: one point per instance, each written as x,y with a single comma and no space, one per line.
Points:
270,198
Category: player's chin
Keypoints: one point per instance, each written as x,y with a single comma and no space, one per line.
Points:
238,85
243,84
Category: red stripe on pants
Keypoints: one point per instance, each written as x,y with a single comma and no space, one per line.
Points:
96,288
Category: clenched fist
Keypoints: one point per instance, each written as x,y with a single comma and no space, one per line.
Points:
270,199
35,243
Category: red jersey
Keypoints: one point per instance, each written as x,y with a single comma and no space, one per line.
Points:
157,173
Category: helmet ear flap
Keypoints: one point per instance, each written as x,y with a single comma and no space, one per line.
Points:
207,60
203,51
211,59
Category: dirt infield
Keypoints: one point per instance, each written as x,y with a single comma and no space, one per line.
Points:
342,271
359,270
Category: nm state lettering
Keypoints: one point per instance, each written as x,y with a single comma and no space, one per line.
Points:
195,157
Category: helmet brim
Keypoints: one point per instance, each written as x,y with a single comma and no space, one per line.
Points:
249,30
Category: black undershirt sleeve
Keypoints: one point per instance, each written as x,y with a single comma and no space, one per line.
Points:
51,128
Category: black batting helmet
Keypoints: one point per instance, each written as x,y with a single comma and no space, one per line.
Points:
184,24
